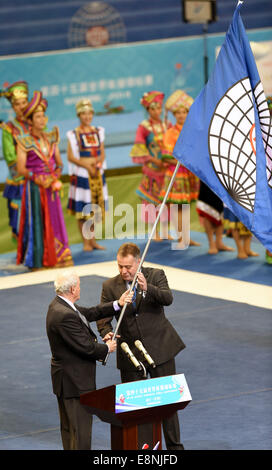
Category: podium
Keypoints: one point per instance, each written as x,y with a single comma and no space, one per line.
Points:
142,402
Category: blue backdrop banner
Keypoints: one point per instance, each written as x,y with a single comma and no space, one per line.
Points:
119,75
114,78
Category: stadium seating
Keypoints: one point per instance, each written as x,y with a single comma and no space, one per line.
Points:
38,26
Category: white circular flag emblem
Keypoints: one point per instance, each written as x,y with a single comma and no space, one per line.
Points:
232,142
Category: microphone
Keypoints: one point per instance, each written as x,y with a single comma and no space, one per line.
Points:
139,345
131,356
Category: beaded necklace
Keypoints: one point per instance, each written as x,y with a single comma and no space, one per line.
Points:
158,135
43,149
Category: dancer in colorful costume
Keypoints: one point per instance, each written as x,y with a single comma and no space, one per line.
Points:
210,210
147,151
43,240
185,187
86,156
17,94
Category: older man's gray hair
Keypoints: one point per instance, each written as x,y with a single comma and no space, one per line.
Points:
64,281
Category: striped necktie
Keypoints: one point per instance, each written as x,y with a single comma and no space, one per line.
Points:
134,294
83,318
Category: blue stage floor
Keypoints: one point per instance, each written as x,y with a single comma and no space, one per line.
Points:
193,259
227,361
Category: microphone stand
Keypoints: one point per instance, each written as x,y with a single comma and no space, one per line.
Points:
144,254
144,370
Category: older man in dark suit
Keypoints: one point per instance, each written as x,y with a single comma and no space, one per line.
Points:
144,321
75,351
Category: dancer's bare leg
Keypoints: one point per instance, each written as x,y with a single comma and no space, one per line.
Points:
247,247
179,225
86,244
241,254
93,243
210,230
219,242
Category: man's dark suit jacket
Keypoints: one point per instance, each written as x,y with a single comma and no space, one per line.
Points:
149,325
74,347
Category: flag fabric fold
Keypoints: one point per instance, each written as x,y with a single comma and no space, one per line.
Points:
227,137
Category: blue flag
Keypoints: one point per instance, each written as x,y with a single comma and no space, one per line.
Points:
227,137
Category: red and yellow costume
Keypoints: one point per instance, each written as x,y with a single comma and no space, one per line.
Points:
149,143
185,187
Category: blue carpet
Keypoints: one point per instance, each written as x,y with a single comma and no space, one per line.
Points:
193,259
227,364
